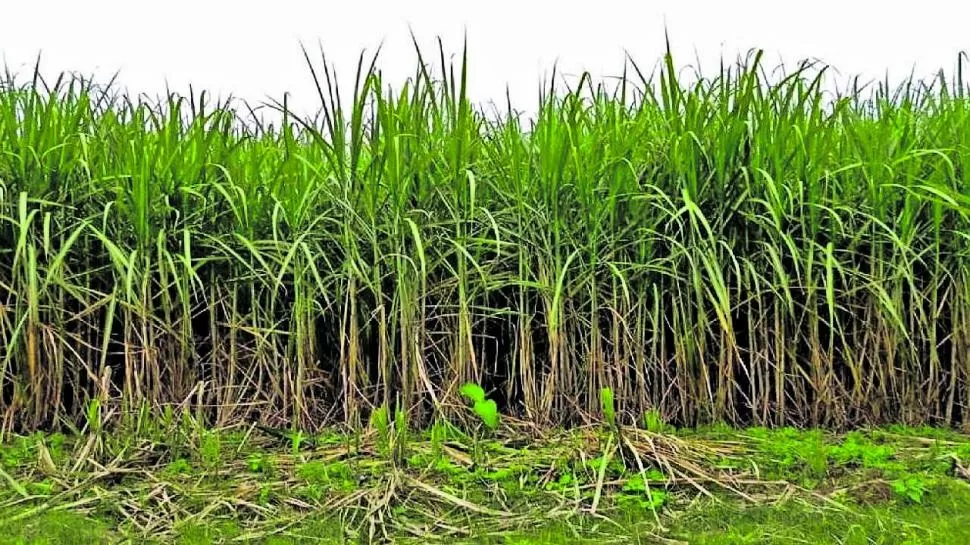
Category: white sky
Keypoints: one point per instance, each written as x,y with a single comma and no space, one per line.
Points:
252,49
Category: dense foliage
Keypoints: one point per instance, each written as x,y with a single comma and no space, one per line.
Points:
747,247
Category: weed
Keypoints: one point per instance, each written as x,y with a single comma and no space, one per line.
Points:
486,409
379,421
334,475
608,406
179,466
653,421
911,487
856,449
42,488
565,482
265,494
259,463
312,491
210,449
635,493
614,466
791,450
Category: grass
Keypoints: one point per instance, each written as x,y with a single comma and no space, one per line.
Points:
717,485
744,247
941,520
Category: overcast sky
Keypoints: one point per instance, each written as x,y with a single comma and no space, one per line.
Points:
253,50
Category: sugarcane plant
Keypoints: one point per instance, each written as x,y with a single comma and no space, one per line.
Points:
747,246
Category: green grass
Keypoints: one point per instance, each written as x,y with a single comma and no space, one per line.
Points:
55,529
743,248
942,520
748,486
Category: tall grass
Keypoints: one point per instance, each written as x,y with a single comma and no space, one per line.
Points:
748,248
